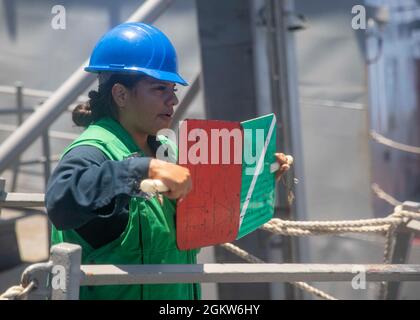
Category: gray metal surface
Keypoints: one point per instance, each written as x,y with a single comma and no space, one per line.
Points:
393,51
335,131
238,272
400,254
21,200
284,93
68,257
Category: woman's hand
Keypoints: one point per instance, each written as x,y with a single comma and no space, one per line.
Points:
176,178
284,161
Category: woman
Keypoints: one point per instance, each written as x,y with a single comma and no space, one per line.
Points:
93,197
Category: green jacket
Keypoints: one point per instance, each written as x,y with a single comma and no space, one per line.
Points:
149,237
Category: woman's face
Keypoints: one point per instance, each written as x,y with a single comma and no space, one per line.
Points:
149,106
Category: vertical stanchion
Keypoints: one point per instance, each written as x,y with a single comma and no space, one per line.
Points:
285,104
400,251
400,254
47,156
47,171
2,188
19,112
66,274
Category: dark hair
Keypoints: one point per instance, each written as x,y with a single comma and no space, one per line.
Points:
101,103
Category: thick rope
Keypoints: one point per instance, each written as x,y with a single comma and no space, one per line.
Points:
393,144
309,228
253,259
387,226
335,224
17,292
385,196
273,226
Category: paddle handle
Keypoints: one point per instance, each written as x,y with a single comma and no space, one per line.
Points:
153,185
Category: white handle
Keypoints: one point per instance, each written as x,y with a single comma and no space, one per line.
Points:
153,185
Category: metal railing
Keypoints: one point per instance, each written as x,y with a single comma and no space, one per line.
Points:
67,257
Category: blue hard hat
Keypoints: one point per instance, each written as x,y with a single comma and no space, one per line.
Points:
136,48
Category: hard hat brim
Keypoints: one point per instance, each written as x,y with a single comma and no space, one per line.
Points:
157,74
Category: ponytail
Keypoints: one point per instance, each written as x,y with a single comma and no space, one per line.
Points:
101,103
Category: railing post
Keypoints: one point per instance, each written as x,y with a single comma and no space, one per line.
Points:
19,111
9,247
401,250
400,253
66,274
2,187
47,156
47,171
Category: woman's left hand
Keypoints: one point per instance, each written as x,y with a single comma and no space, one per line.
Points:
284,162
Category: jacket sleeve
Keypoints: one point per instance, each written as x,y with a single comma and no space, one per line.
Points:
86,185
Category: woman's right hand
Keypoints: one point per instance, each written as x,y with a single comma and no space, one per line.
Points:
176,178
